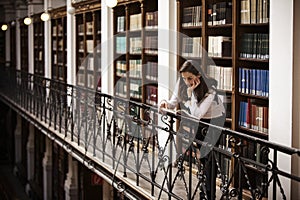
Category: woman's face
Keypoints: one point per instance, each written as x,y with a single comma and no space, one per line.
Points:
189,78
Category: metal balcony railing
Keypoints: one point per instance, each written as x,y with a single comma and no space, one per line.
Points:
136,146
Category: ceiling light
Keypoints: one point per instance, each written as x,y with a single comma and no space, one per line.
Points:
45,16
111,3
4,27
27,21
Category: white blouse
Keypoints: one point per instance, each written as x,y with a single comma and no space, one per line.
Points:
207,108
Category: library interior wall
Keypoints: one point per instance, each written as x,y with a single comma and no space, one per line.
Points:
296,97
281,77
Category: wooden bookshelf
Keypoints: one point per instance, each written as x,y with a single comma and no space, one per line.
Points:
135,55
88,45
234,37
24,45
38,26
235,40
252,67
13,45
59,44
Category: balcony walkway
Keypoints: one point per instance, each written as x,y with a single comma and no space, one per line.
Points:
119,137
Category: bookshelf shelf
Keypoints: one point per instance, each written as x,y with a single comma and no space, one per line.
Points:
220,26
244,60
254,133
266,99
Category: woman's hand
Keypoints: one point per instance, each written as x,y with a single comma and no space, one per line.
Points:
193,85
163,105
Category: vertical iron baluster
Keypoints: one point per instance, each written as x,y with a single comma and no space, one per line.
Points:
274,174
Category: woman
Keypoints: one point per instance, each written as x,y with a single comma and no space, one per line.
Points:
196,92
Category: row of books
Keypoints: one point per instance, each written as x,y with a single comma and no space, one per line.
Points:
253,151
253,116
89,46
222,74
191,16
135,69
90,63
255,45
38,55
58,58
121,44
227,101
151,71
120,88
120,24
151,45
58,45
89,28
134,88
58,72
254,11
135,45
89,80
219,46
151,94
254,81
219,13
151,20
192,47
121,68
57,30
135,22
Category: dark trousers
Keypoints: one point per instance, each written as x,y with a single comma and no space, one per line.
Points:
211,136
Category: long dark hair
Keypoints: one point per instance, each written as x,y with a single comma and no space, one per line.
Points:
206,82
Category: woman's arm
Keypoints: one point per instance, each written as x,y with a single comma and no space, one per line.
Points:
172,103
200,109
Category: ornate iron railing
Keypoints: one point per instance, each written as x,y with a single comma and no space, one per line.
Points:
136,142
